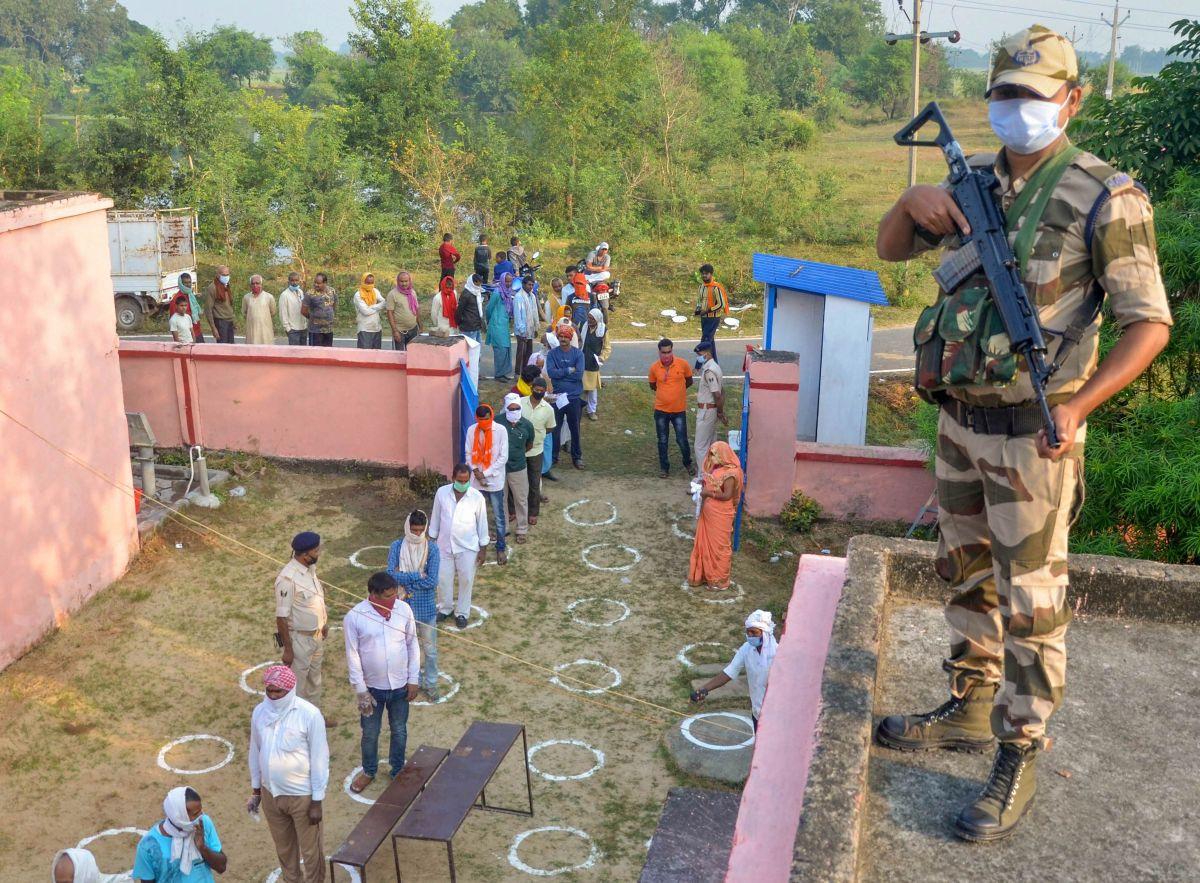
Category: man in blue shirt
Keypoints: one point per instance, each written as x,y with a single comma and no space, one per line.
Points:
181,848
565,367
503,265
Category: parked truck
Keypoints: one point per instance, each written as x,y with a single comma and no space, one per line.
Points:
148,250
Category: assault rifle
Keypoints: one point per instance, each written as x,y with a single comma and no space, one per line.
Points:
987,246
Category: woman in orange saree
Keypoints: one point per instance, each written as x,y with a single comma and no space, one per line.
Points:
712,551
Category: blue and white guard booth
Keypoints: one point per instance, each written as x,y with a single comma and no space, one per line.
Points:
823,313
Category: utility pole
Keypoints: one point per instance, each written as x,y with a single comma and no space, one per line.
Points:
918,37
1115,24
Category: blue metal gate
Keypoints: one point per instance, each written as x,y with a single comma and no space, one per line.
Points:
468,401
742,446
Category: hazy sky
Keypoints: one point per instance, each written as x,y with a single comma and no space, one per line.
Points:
978,20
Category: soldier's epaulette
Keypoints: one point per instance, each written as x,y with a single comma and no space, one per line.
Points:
1112,180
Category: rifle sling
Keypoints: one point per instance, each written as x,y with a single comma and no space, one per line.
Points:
1032,200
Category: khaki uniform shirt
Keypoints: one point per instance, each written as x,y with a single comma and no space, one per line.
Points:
711,378
300,598
1061,270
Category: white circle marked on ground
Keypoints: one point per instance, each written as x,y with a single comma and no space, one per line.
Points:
637,556
597,625
573,520
354,558
478,621
276,875
596,752
685,727
683,654
445,697
491,558
112,832
246,686
515,860
679,531
616,675
715,596
162,754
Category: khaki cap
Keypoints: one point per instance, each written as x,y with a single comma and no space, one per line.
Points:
1037,58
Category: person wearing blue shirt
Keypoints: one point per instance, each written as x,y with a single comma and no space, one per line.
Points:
183,847
503,265
565,367
414,563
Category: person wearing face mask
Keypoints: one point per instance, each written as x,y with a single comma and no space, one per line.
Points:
487,453
754,658
415,563
79,866
289,772
301,620
1080,230
540,415
291,311
384,662
459,526
521,437
258,312
218,306
183,847
670,378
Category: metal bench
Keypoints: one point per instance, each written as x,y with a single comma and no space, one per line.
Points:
459,783
373,828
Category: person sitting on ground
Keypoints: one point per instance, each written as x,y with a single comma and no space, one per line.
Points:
487,452
459,526
79,866
754,657
384,665
289,772
596,350
368,304
181,324
482,260
516,468
720,491
503,265
183,847
415,564
443,309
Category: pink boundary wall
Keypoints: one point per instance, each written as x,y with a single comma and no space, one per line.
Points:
849,481
67,533
773,796
319,403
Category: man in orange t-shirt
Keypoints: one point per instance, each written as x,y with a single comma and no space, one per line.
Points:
670,378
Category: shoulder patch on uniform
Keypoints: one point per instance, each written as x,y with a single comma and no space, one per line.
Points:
1118,182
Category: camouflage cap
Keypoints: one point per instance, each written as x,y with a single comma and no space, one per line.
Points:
1036,58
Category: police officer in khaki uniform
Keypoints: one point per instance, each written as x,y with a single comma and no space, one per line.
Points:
300,617
710,399
1006,499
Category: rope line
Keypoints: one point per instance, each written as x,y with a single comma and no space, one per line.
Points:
201,526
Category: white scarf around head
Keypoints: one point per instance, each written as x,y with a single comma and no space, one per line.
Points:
761,619
182,830
414,551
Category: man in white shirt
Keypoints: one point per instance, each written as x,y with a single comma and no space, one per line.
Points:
459,526
291,300
384,662
487,451
301,620
181,323
754,657
289,771
598,263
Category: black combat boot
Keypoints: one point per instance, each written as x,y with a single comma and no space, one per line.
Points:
957,724
1006,797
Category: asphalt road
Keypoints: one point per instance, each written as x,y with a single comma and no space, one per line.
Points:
891,352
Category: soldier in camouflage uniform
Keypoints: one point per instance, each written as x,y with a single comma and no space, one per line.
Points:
1006,499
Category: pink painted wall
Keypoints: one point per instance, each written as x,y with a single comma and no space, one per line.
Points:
783,749
370,406
774,398
864,482
67,533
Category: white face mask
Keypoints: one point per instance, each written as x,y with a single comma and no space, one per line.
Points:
512,416
224,280
1025,125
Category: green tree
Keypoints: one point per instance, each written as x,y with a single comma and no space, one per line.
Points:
72,34
487,39
29,150
313,70
237,54
880,77
847,28
1096,76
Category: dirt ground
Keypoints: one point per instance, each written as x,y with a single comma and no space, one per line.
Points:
158,655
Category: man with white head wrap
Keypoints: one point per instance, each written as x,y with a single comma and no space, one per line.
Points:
521,436
596,350
183,847
79,866
754,657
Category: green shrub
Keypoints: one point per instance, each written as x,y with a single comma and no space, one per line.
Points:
830,108
425,482
800,513
796,131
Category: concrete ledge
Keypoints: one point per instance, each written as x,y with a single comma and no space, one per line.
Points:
863,482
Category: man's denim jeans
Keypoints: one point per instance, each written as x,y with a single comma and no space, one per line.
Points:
396,703
427,639
663,421
499,516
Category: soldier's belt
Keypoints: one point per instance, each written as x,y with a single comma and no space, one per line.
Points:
1010,420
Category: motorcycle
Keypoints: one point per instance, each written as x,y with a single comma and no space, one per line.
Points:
606,291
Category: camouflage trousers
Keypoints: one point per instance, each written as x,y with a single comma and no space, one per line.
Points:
1004,514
